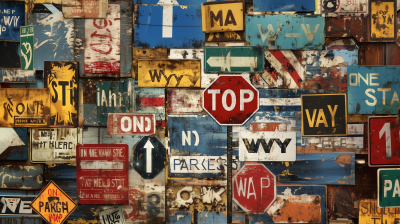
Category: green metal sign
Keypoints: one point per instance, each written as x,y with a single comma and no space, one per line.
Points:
388,188
26,40
234,59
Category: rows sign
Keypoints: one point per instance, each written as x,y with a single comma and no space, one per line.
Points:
131,124
102,173
222,17
384,141
286,32
388,187
383,17
373,90
27,47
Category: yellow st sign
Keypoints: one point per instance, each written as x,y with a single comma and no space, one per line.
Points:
222,17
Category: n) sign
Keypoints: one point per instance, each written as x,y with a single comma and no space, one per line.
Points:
287,32
324,114
27,47
222,17
388,188
383,17
131,124
149,155
234,59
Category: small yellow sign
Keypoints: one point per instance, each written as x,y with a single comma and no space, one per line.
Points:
369,213
53,204
222,17
169,73
383,20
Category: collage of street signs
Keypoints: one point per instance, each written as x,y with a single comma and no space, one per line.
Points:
199,111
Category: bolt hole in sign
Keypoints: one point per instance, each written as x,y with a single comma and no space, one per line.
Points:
231,100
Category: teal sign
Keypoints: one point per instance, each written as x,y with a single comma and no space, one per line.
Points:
26,40
234,59
388,188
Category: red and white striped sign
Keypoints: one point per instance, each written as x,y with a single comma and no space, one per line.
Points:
131,124
102,43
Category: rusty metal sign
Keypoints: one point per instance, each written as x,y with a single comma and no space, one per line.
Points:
25,107
131,124
62,81
369,213
383,16
85,8
340,7
222,16
169,73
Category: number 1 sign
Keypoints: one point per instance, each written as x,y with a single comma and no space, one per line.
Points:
384,141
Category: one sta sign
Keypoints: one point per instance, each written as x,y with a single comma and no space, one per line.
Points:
231,100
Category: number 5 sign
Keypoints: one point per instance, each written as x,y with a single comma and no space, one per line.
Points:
384,141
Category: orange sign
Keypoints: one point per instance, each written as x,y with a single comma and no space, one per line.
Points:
53,204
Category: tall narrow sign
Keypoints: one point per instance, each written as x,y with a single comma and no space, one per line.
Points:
62,80
102,49
383,17
27,47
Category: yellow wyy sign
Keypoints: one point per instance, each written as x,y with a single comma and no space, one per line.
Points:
169,73
222,17
24,107
383,19
53,204
369,213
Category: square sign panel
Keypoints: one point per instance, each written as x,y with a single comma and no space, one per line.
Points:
324,114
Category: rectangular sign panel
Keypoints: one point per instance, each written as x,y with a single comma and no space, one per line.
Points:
17,75
85,8
388,188
284,5
16,205
102,173
234,59
369,213
184,101
373,90
324,114
102,45
286,32
131,124
222,17
169,73
14,143
25,107
341,7
114,96
12,14
383,16
267,146
21,177
62,80
27,47
182,166
54,144
112,215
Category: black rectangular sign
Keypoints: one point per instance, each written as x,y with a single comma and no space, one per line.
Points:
16,205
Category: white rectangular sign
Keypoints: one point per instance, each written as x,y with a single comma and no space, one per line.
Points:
199,164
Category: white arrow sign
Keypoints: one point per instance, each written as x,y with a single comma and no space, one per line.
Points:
168,14
228,62
9,138
148,146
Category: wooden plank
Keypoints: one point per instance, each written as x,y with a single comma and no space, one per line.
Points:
85,9
229,15
147,53
21,177
333,80
25,107
382,17
14,143
184,101
10,58
392,54
13,14
17,76
372,54
159,73
151,100
62,80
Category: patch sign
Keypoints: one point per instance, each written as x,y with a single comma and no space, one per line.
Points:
383,18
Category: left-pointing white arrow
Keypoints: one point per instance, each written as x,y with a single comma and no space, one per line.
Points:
148,146
9,138
168,14
228,62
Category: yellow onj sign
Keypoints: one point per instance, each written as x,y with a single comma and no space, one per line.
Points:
222,17
53,204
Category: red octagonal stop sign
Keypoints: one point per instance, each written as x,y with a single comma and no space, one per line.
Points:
230,100
254,188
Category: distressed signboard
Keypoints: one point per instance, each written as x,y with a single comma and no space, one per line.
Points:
285,5
114,96
169,73
54,144
27,47
102,173
111,215
85,9
149,53
184,101
17,76
233,59
369,213
296,204
373,90
12,16
21,177
149,156
275,146
232,36
62,80
131,124
286,32
329,110
388,188
222,17
383,20
16,205
25,107
151,100
14,144
102,42
341,7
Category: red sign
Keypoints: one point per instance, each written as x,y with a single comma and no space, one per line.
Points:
384,141
131,124
230,100
254,188
102,172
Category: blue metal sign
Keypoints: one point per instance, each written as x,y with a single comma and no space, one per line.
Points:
149,157
284,5
286,32
373,90
12,17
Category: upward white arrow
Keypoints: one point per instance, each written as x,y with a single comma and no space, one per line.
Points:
148,146
168,14
228,62
9,138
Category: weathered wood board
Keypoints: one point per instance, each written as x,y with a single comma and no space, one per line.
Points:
222,16
184,101
285,5
151,100
369,213
382,17
21,177
86,9
17,76
10,58
147,53
14,143
338,8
